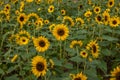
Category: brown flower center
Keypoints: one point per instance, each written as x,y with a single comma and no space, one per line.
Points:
106,18
114,22
99,18
21,18
23,40
77,79
41,43
94,48
61,32
110,3
118,76
40,66
97,9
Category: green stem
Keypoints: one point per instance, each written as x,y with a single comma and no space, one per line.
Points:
77,62
60,50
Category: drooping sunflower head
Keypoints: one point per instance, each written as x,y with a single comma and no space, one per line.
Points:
51,9
94,48
68,20
114,22
76,43
115,73
51,27
98,19
41,43
79,76
39,66
60,32
80,21
110,3
106,17
51,63
22,18
97,9
83,53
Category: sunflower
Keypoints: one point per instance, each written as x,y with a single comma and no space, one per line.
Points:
115,73
94,48
114,22
97,9
39,66
74,43
22,5
22,38
14,1
106,17
51,27
68,20
80,21
83,53
7,7
33,15
29,1
38,1
51,63
38,23
61,32
98,19
41,43
110,3
46,21
79,76
51,9
80,7
50,1
63,12
88,13
22,19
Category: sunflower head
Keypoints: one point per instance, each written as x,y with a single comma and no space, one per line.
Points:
39,66
115,73
97,9
60,32
80,21
68,20
76,43
51,9
79,76
106,17
110,3
84,54
98,19
63,12
41,43
114,22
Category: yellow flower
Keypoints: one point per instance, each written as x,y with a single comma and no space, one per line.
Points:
80,21
114,22
74,43
63,12
51,9
41,43
61,32
106,17
94,48
51,27
38,23
22,19
115,74
14,1
38,1
98,19
68,20
51,63
23,40
33,15
79,76
83,53
39,66
110,3
22,5
14,58
46,21
97,9
88,13
50,1
29,1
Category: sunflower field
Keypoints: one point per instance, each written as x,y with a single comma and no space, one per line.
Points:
59,39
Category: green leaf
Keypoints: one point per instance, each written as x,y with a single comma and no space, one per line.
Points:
68,66
57,62
76,59
13,77
1,71
109,38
